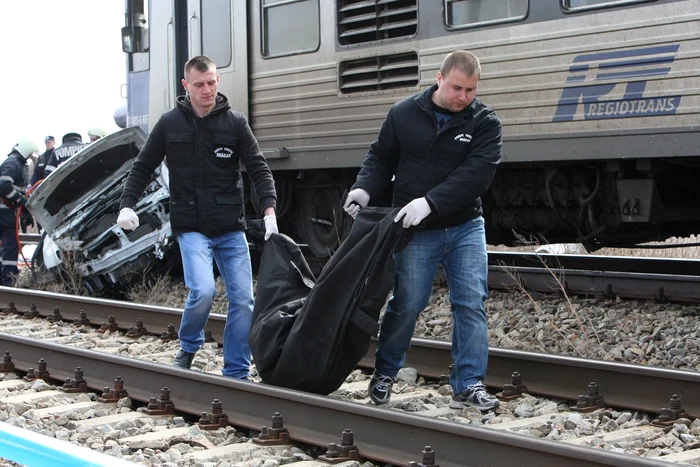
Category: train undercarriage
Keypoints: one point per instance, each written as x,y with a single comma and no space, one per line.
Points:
618,203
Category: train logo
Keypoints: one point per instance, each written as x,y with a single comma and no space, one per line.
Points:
616,66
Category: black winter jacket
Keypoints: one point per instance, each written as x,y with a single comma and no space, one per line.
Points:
40,167
204,158
451,167
13,179
71,145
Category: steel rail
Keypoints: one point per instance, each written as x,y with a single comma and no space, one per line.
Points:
623,385
380,434
647,286
28,238
674,266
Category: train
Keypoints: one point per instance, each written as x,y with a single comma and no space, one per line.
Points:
599,101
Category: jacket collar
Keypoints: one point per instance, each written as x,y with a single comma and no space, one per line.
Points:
222,104
425,101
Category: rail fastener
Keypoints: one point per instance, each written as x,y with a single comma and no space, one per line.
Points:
670,415
214,420
40,373
117,392
110,326
138,330
345,451
277,435
76,384
428,459
514,389
593,401
161,406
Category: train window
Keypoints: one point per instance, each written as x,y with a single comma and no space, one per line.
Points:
576,5
378,73
216,31
362,21
470,13
290,27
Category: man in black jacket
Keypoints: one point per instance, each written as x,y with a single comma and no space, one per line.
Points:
71,143
205,142
13,178
40,167
442,146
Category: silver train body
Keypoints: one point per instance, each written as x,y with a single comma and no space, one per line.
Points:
599,101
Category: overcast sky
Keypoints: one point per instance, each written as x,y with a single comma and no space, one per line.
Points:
64,68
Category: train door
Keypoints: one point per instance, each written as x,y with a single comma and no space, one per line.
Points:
217,29
223,37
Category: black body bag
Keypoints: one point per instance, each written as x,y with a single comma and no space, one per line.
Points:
310,334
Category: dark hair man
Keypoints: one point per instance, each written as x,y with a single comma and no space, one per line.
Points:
205,141
40,166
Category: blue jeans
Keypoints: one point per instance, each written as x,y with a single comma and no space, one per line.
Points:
462,252
233,259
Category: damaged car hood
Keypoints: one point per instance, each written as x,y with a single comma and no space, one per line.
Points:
85,178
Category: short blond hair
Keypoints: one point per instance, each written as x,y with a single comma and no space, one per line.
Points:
463,61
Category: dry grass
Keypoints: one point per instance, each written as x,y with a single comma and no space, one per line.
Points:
582,338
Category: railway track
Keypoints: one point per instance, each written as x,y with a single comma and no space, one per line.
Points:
557,378
550,375
379,434
658,279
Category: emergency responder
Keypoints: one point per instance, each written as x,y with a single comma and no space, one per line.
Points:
13,178
96,133
71,143
40,166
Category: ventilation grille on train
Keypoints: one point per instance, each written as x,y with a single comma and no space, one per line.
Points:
379,73
362,21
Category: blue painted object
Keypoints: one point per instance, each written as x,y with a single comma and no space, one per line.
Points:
37,450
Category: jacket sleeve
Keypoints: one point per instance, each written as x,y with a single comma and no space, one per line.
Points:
39,167
382,160
471,179
255,164
51,164
9,175
150,156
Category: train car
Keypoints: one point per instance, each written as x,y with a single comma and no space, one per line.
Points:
598,99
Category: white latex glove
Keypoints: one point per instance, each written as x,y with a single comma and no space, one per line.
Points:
414,212
128,220
359,196
270,226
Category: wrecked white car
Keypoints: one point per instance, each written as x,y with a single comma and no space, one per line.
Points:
77,206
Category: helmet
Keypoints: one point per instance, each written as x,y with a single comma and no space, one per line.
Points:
97,132
69,136
26,147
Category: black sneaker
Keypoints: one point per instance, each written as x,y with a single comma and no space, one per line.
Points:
379,390
474,396
183,359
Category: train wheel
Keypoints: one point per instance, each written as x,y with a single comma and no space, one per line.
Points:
320,215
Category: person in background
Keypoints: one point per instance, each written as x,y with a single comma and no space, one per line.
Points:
13,179
442,146
40,166
96,133
70,144
205,141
